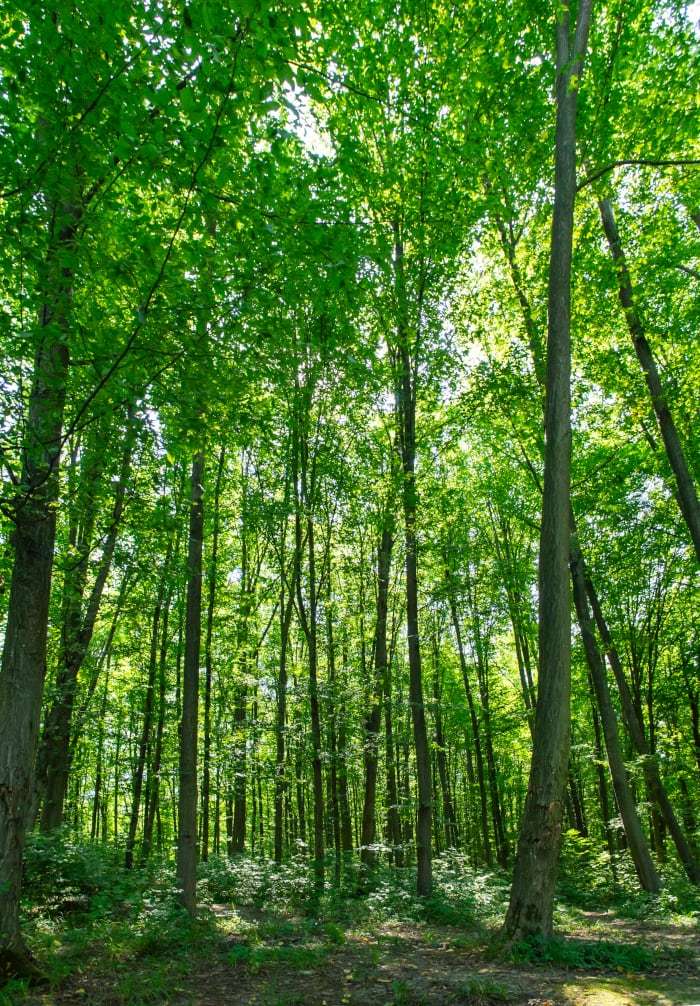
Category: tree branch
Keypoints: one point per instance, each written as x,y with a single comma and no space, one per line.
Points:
639,161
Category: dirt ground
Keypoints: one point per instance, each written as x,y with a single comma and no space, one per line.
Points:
396,965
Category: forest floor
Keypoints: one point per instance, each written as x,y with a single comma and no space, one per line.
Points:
106,936
257,957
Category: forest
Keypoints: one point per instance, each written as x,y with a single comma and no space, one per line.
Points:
349,520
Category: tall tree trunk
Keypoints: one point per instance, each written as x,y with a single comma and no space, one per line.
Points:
23,666
162,601
393,823
240,711
304,493
686,494
637,844
601,777
532,892
476,729
145,738
405,397
187,802
309,625
78,630
286,611
650,765
333,817
373,719
482,668
206,766
346,841
153,800
97,797
448,811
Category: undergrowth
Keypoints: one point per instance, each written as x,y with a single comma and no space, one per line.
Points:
84,913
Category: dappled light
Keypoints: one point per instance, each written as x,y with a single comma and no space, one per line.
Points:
349,517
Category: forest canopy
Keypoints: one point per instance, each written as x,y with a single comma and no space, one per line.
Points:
349,522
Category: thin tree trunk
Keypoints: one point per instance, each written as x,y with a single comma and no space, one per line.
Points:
346,840
483,683
97,797
637,844
187,802
392,790
448,811
405,395
240,711
650,765
686,495
147,723
206,767
476,730
77,635
303,482
373,719
286,611
153,801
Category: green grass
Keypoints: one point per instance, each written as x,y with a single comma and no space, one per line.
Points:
404,995
14,991
294,958
589,954
483,992
124,931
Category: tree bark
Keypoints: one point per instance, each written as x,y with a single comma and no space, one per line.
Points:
476,729
448,810
636,840
405,399
286,611
534,876
145,739
78,629
187,801
206,766
373,719
153,793
23,666
686,494
393,822
650,765
304,490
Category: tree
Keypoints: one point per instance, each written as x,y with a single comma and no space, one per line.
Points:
532,893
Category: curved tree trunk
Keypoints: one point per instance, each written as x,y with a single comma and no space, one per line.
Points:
686,494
